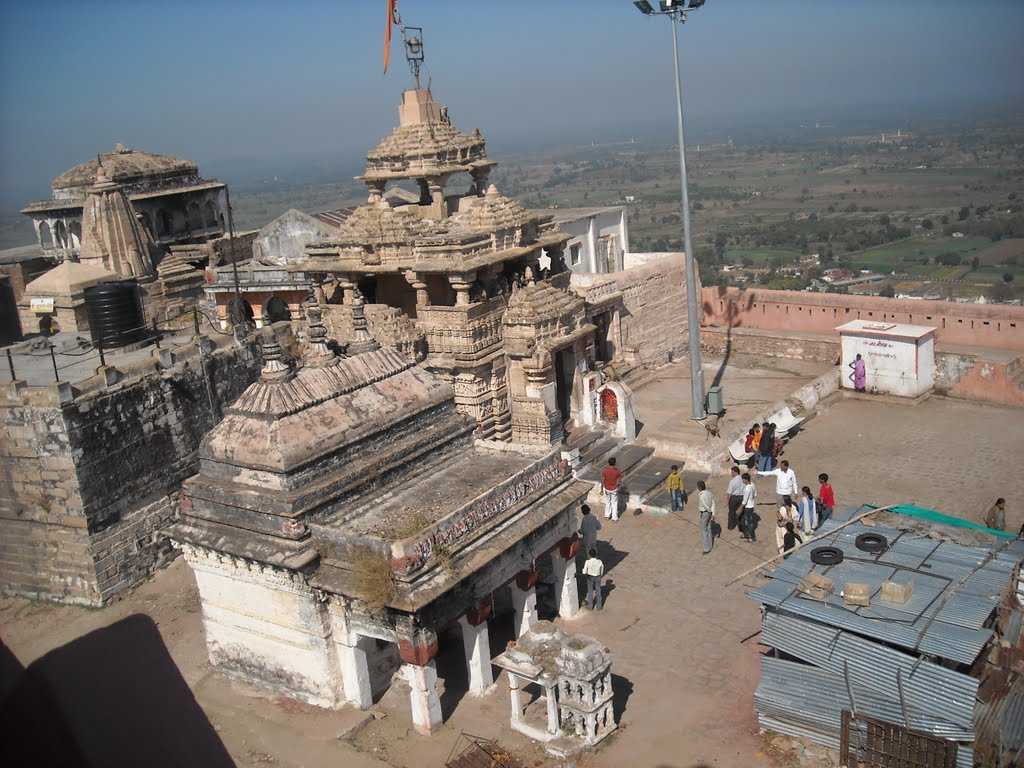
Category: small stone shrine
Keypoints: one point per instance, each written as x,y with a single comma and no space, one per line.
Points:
575,673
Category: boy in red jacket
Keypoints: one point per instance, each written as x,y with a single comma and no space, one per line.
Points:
826,499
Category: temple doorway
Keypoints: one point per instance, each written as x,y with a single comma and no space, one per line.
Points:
609,405
565,368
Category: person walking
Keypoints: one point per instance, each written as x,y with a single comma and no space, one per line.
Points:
735,494
611,479
674,486
860,373
706,508
786,486
826,498
807,510
593,569
589,526
995,518
747,516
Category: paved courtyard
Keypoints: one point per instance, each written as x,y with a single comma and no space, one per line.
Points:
684,647
750,387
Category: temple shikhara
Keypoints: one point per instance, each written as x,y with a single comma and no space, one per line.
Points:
482,278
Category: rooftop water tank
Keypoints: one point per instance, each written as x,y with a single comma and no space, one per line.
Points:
115,314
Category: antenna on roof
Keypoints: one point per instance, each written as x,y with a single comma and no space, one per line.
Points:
413,39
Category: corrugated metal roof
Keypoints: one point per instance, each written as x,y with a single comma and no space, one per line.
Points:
926,687
788,688
956,589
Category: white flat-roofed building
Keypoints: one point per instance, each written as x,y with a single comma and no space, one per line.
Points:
899,359
599,237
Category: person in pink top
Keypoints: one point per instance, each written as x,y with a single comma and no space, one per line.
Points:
826,498
860,373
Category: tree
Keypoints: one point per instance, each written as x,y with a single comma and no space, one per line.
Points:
1008,277
949,259
975,262
964,212
927,224
883,220
1000,292
887,291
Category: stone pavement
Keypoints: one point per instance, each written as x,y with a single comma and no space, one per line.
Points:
950,455
684,647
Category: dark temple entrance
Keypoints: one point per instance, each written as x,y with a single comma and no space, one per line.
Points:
565,368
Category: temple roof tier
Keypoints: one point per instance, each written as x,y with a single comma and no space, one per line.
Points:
425,144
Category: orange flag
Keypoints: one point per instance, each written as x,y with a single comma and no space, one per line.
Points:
387,34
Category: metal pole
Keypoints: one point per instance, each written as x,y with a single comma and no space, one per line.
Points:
10,364
234,261
692,316
99,346
53,359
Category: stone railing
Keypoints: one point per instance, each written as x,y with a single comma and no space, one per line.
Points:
462,330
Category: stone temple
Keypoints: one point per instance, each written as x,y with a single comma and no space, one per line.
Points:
175,203
482,278
344,516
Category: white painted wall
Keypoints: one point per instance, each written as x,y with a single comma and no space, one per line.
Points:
894,366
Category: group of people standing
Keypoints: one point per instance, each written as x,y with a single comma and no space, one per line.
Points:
766,446
799,514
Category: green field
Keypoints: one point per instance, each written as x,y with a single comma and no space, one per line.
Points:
903,254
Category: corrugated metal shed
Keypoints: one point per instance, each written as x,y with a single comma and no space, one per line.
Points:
894,662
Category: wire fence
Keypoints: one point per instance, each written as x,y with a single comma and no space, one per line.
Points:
41,361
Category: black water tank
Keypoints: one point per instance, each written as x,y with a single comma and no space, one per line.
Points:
115,314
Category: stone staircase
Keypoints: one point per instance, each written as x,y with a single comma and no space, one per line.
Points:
643,472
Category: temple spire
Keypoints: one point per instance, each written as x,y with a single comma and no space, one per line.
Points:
317,352
275,369
362,339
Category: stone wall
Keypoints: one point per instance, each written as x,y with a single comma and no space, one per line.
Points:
652,314
88,481
983,325
766,344
972,377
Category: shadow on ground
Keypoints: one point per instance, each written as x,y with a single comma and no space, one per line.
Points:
111,698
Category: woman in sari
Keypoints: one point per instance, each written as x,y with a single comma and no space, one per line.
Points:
860,374
807,513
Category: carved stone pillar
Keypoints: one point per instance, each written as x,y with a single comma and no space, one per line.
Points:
563,565
524,601
477,645
460,284
416,281
480,176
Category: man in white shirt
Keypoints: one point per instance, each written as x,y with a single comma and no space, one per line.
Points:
735,494
593,570
706,508
786,487
747,516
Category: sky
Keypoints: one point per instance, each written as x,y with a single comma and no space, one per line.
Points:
295,89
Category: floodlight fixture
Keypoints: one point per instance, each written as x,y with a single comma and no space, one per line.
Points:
676,11
414,55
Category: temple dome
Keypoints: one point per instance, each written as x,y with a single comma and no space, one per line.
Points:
424,144
379,224
491,212
289,418
541,303
125,166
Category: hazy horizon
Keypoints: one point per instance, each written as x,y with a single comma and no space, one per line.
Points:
255,90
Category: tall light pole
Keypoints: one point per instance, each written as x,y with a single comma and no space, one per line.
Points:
676,11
